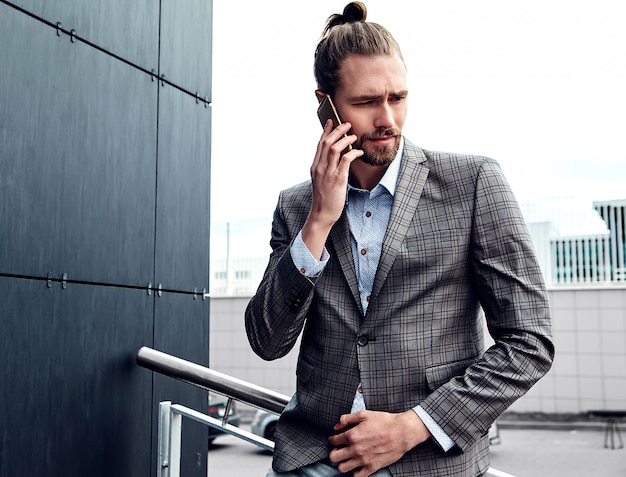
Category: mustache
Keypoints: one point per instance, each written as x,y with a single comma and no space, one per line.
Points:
393,132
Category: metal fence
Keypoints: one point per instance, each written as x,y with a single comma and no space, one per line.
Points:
577,241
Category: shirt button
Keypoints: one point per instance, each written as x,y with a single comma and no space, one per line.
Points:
363,251
368,297
302,271
360,389
368,214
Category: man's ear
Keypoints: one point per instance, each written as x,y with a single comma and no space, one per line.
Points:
320,95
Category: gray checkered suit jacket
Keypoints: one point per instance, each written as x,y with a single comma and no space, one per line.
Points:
456,240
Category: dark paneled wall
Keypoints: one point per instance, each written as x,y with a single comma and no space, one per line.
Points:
105,124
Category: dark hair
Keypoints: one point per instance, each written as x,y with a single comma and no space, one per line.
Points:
346,34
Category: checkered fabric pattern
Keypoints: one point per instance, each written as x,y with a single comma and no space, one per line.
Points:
456,240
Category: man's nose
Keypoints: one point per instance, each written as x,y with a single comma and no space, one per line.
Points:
384,116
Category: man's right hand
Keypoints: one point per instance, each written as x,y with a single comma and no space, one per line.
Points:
329,175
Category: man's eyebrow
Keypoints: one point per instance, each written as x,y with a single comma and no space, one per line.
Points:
371,97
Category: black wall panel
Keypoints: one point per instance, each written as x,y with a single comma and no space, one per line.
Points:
78,170
129,30
180,322
72,396
104,230
182,239
186,45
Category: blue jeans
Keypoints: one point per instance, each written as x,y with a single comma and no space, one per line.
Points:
321,469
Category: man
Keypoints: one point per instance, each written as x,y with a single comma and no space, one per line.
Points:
384,259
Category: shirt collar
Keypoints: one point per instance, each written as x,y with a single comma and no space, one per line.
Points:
388,181
390,178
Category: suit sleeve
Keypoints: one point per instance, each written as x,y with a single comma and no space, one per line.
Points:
276,314
512,293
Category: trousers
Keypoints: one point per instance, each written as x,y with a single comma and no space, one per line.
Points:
321,469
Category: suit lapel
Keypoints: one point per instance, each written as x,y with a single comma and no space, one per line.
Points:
411,180
409,187
340,238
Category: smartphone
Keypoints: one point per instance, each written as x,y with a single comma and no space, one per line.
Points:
326,110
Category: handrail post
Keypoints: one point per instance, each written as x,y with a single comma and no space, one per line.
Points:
229,407
176,424
164,438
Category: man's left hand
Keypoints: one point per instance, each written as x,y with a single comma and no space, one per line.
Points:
367,441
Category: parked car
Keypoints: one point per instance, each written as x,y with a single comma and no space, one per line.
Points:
217,409
264,424
494,434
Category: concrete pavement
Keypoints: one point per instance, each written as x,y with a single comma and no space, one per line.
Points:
554,450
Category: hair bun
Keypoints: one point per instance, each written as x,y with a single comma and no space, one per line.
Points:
354,12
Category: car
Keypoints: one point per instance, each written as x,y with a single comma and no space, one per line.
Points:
217,409
494,434
264,424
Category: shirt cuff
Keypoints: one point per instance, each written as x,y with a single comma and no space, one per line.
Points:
308,265
440,436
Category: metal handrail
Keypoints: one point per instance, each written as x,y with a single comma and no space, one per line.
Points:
205,378
212,380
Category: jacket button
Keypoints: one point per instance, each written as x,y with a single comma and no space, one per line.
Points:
362,340
295,305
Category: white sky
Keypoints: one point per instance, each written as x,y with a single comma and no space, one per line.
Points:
538,85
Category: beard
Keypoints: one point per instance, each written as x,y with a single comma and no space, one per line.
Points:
379,155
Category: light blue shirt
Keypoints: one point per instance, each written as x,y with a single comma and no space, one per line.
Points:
368,215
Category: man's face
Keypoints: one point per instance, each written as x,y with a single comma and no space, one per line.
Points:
372,97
